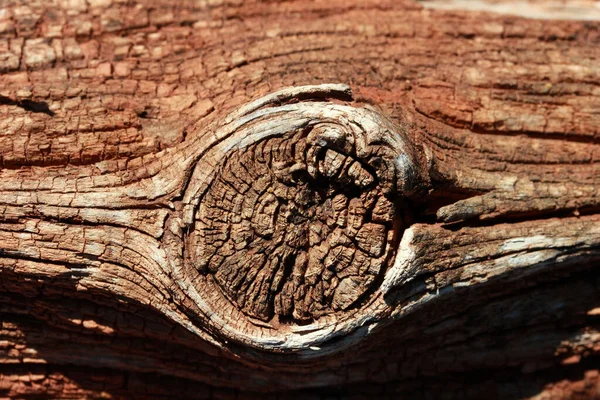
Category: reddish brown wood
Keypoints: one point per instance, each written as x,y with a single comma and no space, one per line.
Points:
105,104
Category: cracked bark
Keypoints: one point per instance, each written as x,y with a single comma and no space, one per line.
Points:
181,216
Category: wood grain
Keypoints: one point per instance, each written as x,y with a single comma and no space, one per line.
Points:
132,133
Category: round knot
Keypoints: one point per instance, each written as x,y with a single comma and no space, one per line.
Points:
298,226
291,218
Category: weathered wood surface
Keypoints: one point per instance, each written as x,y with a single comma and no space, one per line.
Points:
473,266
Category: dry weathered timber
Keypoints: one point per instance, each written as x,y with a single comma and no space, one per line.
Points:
579,10
297,199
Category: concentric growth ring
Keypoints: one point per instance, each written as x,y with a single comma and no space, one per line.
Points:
295,227
292,216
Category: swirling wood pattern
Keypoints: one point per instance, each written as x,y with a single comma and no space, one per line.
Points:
121,122
297,213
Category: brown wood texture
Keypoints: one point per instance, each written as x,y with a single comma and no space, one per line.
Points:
297,199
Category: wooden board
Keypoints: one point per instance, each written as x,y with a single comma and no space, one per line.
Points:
239,199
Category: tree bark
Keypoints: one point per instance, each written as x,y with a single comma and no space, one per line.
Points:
240,199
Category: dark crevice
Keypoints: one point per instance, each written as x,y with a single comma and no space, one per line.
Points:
425,208
519,217
28,105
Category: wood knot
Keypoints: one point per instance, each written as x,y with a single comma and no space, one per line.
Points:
295,213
